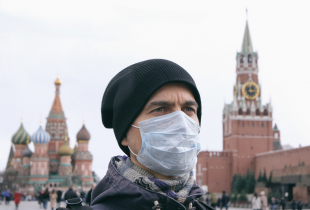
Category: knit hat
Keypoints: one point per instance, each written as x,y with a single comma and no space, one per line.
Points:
129,91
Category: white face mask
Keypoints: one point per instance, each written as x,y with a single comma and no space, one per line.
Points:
170,144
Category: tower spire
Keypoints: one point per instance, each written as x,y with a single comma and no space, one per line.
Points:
247,47
56,111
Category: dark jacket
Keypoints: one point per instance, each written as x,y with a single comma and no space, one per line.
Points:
70,194
115,192
59,194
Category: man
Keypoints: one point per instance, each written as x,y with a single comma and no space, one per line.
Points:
70,193
154,109
283,203
293,204
299,205
58,200
225,201
88,197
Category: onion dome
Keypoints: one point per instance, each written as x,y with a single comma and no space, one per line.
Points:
21,136
83,134
57,81
65,149
27,152
41,136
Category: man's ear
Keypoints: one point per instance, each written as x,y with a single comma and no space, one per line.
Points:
125,141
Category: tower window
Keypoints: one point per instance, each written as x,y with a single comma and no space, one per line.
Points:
242,124
257,112
265,112
249,58
248,112
262,124
240,111
252,124
241,59
276,136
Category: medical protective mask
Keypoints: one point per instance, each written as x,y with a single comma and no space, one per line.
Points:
170,144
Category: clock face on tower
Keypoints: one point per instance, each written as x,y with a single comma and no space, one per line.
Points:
250,90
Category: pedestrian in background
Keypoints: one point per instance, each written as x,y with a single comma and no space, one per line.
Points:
53,199
59,194
45,197
299,205
213,200
256,202
293,204
264,201
225,201
70,193
283,203
88,197
7,196
17,196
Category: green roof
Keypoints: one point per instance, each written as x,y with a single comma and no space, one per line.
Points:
247,47
275,128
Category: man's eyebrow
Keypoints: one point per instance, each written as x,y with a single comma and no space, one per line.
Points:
158,103
169,103
191,103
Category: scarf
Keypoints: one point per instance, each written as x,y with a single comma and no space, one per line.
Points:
177,188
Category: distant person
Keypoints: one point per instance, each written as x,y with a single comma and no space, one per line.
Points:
256,202
17,196
45,198
40,198
8,197
208,200
264,201
293,204
283,203
219,203
70,193
59,194
83,195
213,200
273,203
88,197
225,201
53,199
299,205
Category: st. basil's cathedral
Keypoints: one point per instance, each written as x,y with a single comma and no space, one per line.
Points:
53,163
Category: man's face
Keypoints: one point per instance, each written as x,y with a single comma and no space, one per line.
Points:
169,98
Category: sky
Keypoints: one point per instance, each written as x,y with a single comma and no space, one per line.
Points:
86,43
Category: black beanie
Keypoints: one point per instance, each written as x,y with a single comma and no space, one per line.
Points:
129,91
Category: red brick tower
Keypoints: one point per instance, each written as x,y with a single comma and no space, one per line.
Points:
57,128
39,172
247,127
247,123
83,158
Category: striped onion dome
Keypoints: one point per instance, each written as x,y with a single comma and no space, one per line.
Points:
83,134
27,152
65,149
21,136
40,137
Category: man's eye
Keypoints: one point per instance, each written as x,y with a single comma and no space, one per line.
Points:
160,109
189,109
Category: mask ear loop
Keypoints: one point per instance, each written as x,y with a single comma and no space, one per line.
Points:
132,151
135,126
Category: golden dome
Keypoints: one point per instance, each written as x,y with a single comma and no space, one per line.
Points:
57,81
65,149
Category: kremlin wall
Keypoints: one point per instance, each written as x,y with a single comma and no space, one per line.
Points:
53,163
251,142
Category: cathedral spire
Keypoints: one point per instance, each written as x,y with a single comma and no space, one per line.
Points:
247,47
56,111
